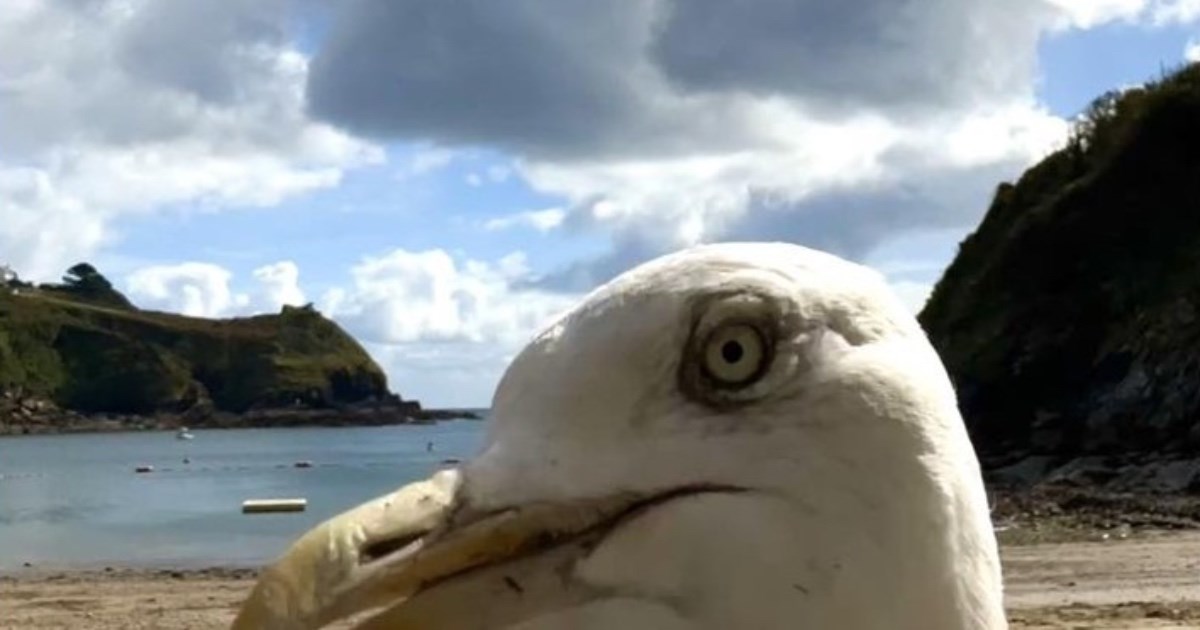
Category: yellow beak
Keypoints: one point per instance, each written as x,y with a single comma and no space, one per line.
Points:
327,573
385,551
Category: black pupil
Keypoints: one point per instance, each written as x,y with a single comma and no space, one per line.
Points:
732,351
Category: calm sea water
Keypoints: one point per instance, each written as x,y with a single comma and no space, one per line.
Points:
75,501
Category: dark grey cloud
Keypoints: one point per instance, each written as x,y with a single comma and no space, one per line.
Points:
885,54
204,48
528,73
589,78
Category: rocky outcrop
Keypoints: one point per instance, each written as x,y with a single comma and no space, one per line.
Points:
88,351
1070,319
24,415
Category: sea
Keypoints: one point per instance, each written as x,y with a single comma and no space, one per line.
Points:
76,502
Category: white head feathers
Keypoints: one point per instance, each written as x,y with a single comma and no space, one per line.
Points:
738,435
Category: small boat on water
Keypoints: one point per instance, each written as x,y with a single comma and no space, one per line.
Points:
184,434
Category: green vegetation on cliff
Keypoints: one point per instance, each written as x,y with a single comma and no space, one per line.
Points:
1070,319
84,346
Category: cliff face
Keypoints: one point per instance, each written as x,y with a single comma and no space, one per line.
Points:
91,352
1070,319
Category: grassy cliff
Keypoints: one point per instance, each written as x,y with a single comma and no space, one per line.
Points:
82,345
1070,319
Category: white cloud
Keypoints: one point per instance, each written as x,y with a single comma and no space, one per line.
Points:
440,326
44,231
540,220
443,375
498,173
1086,14
1191,52
202,289
279,285
494,174
1175,12
428,160
192,288
133,106
407,297
688,199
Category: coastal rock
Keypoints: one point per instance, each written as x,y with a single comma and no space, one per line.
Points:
1068,318
1147,475
23,415
81,346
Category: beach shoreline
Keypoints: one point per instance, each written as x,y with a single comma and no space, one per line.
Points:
73,423
1147,581
1073,558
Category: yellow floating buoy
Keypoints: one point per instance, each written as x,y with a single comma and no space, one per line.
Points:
256,506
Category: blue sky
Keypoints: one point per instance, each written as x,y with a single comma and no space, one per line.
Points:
443,191
1078,65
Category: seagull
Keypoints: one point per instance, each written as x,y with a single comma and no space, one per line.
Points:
738,435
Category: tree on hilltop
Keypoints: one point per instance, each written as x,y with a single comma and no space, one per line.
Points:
83,281
84,277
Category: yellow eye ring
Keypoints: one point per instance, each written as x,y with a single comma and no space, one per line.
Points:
735,355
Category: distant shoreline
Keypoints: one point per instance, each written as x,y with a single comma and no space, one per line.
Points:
58,422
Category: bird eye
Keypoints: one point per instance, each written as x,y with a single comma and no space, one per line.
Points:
735,355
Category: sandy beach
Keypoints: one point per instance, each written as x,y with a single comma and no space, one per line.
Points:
1151,581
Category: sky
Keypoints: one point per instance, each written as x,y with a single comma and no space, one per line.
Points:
443,178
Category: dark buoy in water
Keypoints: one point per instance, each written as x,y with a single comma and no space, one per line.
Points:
187,460
429,447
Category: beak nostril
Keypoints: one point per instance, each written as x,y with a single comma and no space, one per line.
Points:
381,548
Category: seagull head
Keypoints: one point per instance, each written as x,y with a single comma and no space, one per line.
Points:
735,435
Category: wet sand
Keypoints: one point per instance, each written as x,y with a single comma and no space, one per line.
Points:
1147,582
1152,581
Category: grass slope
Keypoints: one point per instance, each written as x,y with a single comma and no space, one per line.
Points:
96,356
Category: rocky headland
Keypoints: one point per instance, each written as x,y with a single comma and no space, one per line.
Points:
79,356
1070,319
34,416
